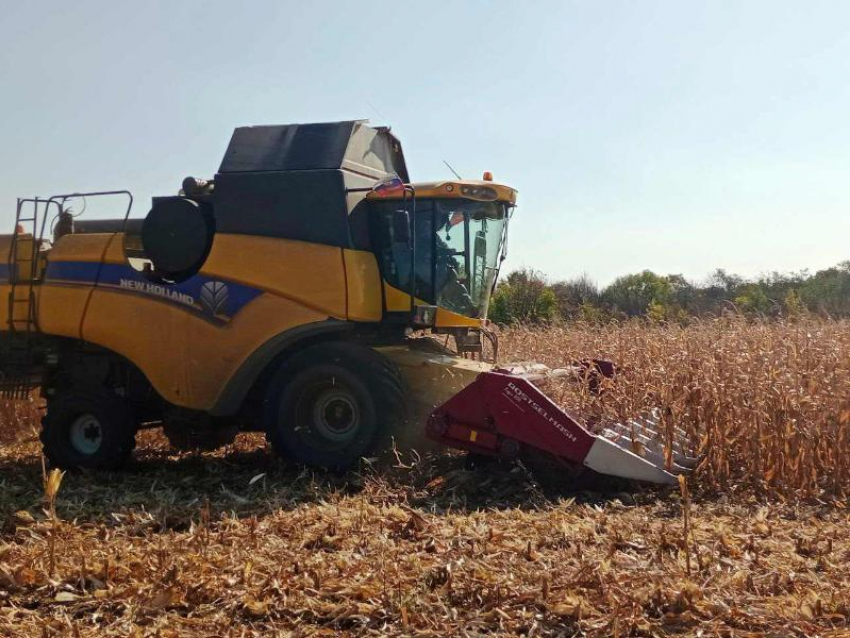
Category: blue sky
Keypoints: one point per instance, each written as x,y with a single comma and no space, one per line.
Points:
675,136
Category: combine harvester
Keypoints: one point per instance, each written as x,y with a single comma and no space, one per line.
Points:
282,296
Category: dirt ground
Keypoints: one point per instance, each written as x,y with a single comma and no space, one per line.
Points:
237,543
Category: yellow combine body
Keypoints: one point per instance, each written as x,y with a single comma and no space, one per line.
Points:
283,296
87,292
291,254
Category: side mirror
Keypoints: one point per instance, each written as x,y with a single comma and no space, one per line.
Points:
401,226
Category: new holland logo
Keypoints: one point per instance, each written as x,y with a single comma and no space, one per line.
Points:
157,290
214,297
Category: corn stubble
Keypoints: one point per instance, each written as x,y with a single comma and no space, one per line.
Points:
235,543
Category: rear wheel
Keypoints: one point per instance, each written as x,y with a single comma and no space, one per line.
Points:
329,404
88,428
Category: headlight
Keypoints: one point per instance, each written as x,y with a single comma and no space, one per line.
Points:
481,193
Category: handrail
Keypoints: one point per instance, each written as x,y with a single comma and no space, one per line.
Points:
61,199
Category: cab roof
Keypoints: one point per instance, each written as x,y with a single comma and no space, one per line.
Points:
474,189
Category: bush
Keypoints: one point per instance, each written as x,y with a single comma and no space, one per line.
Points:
524,297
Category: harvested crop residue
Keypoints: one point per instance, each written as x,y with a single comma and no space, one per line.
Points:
239,544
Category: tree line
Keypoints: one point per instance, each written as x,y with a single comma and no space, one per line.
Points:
528,295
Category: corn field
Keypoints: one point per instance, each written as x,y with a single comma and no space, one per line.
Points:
766,405
238,543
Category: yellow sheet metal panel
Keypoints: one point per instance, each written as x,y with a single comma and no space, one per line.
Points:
363,282
187,358
454,189
87,247
187,353
25,264
398,301
61,305
311,274
5,249
449,319
61,308
433,378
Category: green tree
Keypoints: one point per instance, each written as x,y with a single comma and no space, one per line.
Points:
632,294
576,296
524,296
828,291
753,299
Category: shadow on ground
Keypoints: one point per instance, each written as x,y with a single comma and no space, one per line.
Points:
247,479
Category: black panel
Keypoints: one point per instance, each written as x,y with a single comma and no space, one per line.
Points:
358,206
84,226
286,148
301,181
303,205
297,147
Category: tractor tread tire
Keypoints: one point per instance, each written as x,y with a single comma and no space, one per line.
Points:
368,368
112,412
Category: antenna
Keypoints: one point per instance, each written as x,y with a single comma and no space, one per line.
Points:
377,112
452,170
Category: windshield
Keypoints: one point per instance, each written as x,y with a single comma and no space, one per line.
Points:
458,244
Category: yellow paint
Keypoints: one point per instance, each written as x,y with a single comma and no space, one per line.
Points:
187,359
23,255
85,247
449,319
190,360
20,308
473,436
312,275
452,190
399,301
61,306
363,284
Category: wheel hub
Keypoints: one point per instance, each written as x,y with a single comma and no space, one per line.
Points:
336,414
86,434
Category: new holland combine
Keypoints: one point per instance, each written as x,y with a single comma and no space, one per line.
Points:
285,295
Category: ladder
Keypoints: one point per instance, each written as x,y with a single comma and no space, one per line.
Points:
24,274
23,264
21,353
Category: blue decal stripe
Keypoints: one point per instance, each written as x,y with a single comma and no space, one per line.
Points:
124,277
82,271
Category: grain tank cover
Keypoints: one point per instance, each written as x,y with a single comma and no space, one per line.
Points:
304,182
333,145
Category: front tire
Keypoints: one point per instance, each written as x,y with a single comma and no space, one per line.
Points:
89,428
330,403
